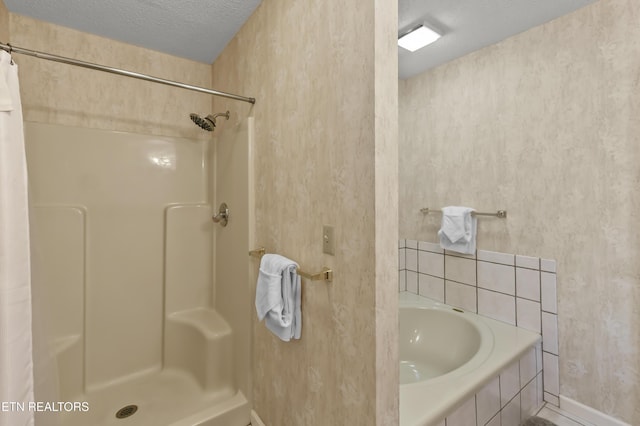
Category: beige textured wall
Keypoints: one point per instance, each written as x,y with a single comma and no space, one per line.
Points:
4,23
320,158
547,126
63,94
386,210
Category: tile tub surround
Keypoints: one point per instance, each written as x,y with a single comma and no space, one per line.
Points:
507,384
510,397
518,290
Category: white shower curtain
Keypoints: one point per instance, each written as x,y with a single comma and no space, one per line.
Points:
16,357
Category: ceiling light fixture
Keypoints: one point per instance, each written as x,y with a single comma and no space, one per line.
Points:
418,38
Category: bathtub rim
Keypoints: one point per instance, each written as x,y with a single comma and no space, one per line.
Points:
443,396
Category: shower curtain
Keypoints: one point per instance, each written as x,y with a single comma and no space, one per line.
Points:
16,357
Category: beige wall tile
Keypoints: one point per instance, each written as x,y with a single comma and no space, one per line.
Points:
321,157
386,206
62,94
546,124
4,23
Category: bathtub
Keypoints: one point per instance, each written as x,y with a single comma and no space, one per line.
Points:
447,355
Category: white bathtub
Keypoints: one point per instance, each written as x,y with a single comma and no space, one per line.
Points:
447,355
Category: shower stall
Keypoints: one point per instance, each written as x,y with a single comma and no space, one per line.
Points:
147,300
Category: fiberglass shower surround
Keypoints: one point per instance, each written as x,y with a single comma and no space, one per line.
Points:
190,364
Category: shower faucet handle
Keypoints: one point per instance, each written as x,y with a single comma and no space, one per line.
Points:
223,215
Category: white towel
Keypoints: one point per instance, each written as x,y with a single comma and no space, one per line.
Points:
278,296
458,229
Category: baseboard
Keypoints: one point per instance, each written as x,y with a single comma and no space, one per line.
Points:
589,414
256,420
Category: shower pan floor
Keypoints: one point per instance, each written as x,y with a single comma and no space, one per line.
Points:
165,398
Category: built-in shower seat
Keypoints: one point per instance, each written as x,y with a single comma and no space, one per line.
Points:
199,341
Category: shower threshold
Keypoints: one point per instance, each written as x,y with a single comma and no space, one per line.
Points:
165,398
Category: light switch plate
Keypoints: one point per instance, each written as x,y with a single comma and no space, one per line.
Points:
328,240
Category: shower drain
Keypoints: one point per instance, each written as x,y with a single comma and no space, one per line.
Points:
127,411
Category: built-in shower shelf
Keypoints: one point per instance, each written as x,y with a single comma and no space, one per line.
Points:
200,341
209,322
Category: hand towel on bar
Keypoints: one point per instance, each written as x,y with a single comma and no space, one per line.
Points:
458,229
278,296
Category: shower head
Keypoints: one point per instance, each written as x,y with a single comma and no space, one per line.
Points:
205,123
209,122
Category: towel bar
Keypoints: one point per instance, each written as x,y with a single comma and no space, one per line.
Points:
325,275
502,214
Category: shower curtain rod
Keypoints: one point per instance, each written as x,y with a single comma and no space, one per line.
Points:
69,61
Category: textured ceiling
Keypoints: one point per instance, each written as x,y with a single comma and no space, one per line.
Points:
200,29
469,25
192,29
